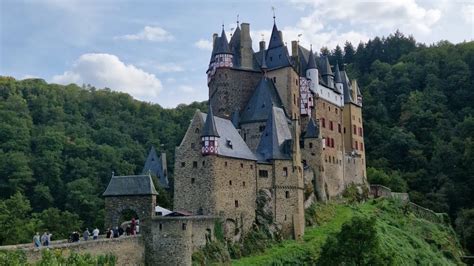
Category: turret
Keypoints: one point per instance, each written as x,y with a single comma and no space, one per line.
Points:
338,79
312,72
312,130
223,53
209,136
326,72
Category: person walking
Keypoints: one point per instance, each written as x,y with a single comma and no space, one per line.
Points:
134,224
86,234
48,238
95,233
36,240
44,239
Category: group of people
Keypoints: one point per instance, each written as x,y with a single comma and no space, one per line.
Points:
74,236
43,240
131,229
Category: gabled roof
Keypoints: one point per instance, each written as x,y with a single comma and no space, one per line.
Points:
210,129
276,138
234,45
222,46
276,55
132,185
230,142
259,107
154,165
312,130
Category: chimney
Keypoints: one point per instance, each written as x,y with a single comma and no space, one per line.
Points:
164,164
246,47
294,48
281,34
214,36
262,45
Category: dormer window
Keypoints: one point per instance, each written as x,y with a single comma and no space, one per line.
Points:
229,143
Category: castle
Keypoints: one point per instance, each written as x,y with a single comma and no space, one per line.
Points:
281,132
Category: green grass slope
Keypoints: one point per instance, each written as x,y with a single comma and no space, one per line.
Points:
410,239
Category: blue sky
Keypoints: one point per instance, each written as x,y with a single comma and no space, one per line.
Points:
158,51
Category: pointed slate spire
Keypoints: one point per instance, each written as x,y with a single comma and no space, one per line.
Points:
346,85
210,129
275,138
312,130
311,61
264,97
223,45
325,66
337,75
275,39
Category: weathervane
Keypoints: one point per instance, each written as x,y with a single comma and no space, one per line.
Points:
237,20
273,9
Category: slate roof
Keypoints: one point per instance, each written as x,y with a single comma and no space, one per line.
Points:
276,55
130,186
154,165
235,119
234,45
222,46
312,130
259,107
337,74
210,125
325,66
229,135
275,142
311,61
346,85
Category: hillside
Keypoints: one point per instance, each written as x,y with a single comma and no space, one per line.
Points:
60,144
403,238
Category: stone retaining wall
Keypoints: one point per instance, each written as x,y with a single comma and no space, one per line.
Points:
129,250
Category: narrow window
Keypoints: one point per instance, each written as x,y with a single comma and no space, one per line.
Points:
236,203
310,145
356,145
192,180
331,125
344,130
241,165
336,110
339,127
230,182
161,226
354,129
196,130
183,226
243,184
251,166
203,163
183,164
323,122
225,164
195,164
285,171
287,194
263,173
329,107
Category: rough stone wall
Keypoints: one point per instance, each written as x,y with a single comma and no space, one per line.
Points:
235,190
231,89
311,154
333,157
354,172
287,84
353,117
194,189
288,195
144,206
252,133
172,240
265,182
129,250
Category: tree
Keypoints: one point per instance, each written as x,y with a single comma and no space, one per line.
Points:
337,56
349,53
15,220
356,244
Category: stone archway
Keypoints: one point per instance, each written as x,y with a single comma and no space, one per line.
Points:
142,206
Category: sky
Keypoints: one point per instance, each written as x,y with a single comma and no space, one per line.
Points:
158,51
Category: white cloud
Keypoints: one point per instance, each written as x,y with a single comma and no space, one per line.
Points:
149,33
186,88
204,44
169,67
468,13
106,70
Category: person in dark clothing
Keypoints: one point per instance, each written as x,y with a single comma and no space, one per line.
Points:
116,232
76,237
109,233
120,230
128,230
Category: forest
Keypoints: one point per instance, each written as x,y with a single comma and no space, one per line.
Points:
59,144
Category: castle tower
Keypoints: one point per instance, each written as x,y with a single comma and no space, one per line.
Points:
338,79
232,73
209,137
326,72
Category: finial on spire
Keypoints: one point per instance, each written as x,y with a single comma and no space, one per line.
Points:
222,25
237,20
273,9
311,46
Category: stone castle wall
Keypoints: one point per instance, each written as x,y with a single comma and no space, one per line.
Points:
231,89
143,206
251,134
287,84
172,240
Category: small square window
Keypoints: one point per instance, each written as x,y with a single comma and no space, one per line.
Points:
195,164
285,171
183,226
243,183
287,194
241,165
183,164
193,180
